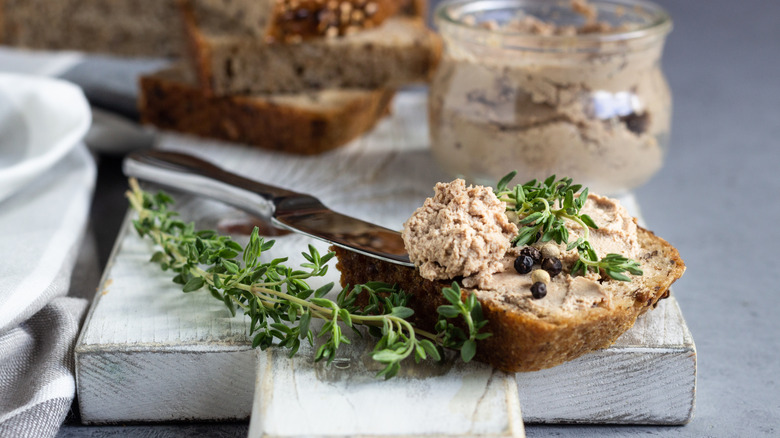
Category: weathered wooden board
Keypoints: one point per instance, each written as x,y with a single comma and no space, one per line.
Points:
149,352
647,377
345,399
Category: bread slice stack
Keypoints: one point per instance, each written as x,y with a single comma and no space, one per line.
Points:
299,76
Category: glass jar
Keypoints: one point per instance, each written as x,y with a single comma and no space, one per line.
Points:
562,92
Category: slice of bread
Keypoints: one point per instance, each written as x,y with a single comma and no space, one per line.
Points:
400,51
120,27
154,29
306,123
289,20
523,340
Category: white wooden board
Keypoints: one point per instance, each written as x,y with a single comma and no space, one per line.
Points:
149,352
346,400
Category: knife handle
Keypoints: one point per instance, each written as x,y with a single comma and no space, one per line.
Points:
193,175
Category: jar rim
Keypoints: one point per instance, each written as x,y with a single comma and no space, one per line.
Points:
659,23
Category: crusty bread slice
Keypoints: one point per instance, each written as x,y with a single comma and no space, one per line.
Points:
307,123
120,27
289,20
400,51
524,341
154,28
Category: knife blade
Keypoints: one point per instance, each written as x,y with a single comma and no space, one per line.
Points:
284,208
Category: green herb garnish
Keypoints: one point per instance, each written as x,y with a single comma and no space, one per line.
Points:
542,209
281,305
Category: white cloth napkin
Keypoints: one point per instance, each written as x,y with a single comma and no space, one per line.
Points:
36,359
41,228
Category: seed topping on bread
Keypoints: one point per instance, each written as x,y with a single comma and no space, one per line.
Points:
297,20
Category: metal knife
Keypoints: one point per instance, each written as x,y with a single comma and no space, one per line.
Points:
285,209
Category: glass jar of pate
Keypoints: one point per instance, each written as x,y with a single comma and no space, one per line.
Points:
571,88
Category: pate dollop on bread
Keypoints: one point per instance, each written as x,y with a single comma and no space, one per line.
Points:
464,234
460,231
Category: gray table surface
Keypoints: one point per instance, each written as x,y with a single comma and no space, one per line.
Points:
713,200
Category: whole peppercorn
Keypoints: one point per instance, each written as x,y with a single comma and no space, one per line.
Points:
523,264
550,250
552,265
539,290
540,276
533,252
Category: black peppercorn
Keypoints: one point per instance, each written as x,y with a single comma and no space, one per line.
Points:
636,123
524,264
552,265
533,252
539,290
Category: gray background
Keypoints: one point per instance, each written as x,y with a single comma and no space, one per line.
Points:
715,200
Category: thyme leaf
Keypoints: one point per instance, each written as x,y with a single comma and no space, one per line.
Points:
281,305
542,209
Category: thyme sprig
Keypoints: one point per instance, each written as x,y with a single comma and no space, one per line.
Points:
471,312
542,209
280,303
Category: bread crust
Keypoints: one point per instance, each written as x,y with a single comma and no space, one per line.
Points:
523,341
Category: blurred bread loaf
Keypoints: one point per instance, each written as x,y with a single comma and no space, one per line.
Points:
118,27
401,51
299,76
154,28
